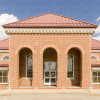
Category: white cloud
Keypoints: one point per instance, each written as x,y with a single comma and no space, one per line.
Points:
97,38
97,31
98,19
5,19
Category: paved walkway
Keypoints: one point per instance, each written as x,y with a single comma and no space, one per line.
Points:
44,91
53,96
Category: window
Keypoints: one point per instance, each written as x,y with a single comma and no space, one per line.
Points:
3,76
49,65
5,58
96,76
94,58
29,69
70,67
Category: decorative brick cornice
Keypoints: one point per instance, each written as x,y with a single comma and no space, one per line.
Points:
4,50
49,31
95,50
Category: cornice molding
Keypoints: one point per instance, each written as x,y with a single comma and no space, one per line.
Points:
49,31
4,50
95,50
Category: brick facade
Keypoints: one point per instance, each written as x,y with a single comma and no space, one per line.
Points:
2,54
61,42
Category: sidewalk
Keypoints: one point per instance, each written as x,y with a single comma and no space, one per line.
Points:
32,91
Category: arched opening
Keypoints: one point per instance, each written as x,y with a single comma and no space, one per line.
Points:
74,65
50,66
25,67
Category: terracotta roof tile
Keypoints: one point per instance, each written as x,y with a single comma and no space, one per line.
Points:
95,44
49,20
4,44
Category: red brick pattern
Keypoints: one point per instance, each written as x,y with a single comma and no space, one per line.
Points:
4,62
62,42
2,54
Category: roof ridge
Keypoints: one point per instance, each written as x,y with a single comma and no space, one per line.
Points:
26,19
54,14
74,19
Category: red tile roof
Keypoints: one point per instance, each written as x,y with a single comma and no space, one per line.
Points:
4,44
50,20
95,44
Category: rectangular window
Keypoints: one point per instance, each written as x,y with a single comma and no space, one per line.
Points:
70,69
3,76
96,76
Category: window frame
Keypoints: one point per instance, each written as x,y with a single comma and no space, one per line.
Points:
5,56
95,76
26,66
73,67
3,69
94,56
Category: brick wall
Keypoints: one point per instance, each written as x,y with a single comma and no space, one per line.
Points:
97,54
3,86
4,61
62,44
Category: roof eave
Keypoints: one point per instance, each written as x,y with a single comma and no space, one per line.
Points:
50,27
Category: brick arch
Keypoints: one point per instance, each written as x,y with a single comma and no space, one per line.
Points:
75,46
24,46
50,46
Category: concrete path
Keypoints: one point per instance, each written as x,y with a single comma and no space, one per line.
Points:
45,91
53,96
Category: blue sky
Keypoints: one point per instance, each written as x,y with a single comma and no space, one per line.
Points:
85,10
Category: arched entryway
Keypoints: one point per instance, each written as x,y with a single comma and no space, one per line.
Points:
74,64
50,66
25,67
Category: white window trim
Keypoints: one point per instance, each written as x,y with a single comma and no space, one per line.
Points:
26,67
4,56
3,68
95,56
8,74
73,68
94,69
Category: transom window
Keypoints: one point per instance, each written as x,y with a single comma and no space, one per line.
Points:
70,67
29,69
3,76
94,58
96,76
49,65
5,58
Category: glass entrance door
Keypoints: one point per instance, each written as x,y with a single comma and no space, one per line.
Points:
50,73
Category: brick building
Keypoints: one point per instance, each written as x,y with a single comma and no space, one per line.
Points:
49,51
